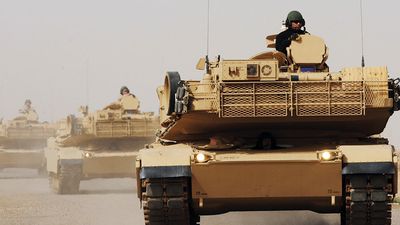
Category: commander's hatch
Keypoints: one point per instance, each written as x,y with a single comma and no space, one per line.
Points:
308,50
130,103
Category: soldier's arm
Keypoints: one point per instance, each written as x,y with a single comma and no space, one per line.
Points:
281,43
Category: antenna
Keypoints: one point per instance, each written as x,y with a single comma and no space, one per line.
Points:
362,35
87,81
208,37
208,25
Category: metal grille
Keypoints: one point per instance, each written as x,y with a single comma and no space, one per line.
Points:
30,132
375,92
302,98
126,128
254,99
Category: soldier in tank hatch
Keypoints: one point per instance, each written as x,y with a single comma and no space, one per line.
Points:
28,111
27,107
124,91
294,23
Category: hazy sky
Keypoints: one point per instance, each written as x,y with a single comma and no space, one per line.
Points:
65,53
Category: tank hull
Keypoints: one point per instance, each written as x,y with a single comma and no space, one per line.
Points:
267,184
270,180
22,145
112,164
109,165
21,158
67,166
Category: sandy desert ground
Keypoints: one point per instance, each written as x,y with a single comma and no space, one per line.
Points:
25,199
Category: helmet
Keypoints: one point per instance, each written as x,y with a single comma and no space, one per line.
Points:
123,88
293,16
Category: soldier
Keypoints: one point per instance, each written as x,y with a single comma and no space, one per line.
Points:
294,23
124,91
28,111
27,107
128,101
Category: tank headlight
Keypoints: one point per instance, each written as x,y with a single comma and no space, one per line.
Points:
87,155
201,158
328,155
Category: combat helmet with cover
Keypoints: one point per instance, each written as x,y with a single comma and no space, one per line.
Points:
294,16
123,88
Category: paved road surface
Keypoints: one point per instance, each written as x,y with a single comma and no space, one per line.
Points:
26,200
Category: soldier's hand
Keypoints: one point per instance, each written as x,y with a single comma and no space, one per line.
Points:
294,37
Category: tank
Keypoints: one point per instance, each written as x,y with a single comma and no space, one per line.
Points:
102,144
22,141
273,132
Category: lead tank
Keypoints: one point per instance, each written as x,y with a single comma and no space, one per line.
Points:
102,144
22,141
272,132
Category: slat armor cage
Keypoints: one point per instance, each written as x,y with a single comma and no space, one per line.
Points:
289,98
126,128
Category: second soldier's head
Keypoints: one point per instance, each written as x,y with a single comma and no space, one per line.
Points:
124,90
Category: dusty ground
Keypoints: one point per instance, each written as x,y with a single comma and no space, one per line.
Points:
26,200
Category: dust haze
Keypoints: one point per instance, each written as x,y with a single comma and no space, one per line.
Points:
64,54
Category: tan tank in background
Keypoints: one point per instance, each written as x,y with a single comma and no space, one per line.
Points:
102,144
273,132
22,141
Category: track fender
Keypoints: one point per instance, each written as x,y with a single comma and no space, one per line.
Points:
368,159
164,161
58,156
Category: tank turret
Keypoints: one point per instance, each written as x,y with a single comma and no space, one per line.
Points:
117,120
272,93
273,132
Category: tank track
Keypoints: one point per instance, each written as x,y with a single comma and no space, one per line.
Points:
167,202
367,200
67,181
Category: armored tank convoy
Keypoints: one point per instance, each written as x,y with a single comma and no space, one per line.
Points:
273,132
23,139
102,144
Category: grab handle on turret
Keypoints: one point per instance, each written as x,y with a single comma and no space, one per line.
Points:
395,86
201,64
